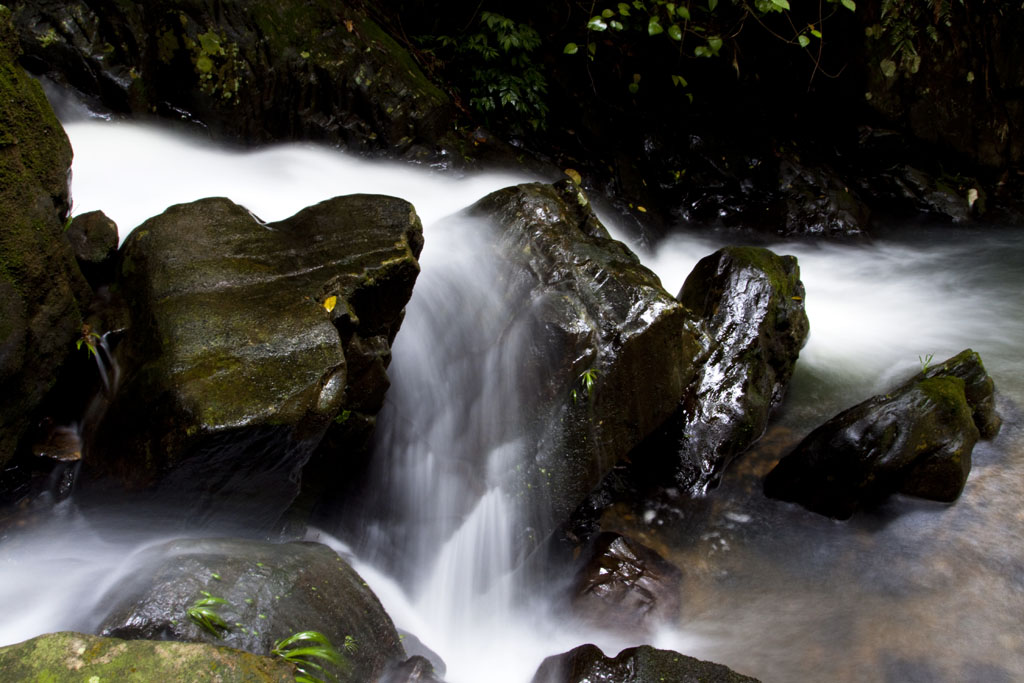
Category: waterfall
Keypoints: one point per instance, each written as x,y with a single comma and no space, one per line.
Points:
770,589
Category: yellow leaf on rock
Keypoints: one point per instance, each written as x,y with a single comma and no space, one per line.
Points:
330,302
575,175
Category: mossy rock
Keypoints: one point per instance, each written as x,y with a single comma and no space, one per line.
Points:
916,439
248,340
42,291
263,72
69,656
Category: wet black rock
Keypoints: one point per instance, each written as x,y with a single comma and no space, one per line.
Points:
270,592
644,664
749,304
320,70
416,669
611,350
219,411
626,586
916,439
94,239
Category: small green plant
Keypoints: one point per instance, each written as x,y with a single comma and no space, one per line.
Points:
303,649
926,362
89,339
203,612
587,380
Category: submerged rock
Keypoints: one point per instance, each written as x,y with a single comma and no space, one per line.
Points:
749,304
916,439
270,592
626,585
247,341
42,292
69,656
610,350
644,664
320,70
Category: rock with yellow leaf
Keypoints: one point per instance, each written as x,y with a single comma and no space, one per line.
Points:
248,341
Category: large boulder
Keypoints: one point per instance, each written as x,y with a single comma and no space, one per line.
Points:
916,439
319,70
610,350
643,664
42,291
68,656
247,342
270,592
749,303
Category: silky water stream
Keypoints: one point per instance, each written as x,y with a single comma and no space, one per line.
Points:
912,591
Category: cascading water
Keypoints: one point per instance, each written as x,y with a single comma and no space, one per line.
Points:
914,591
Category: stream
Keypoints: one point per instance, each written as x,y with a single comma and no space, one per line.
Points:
912,591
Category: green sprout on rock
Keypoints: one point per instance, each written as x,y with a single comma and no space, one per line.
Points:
303,649
203,613
587,380
925,362
89,338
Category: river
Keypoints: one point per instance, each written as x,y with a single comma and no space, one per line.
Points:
911,591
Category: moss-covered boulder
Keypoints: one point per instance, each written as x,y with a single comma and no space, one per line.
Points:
69,656
643,664
916,439
270,592
41,288
610,351
247,341
269,71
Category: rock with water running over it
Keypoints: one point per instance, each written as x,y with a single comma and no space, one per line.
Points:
68,656
749,304
271,591
610,349
626,585
259,72
247,342
42,292
916,439
644,664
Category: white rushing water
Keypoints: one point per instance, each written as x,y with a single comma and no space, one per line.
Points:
931,592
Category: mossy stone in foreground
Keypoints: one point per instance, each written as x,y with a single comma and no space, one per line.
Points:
69,656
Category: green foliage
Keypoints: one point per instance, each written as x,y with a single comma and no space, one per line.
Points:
88,339
502,80
905,25
203,612
698,28
925,362
309,651
587,380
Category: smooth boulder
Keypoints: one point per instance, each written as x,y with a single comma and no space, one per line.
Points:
916,440
247,342
69,656
270,592
644,664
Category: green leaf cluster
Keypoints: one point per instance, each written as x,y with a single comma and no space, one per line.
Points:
496,65
310,652
904,25
203,612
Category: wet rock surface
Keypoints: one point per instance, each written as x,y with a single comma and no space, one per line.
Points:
644,664
42,292
233,66
94,239
271,591
225,408
626,585
916,440
611,352
78,656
